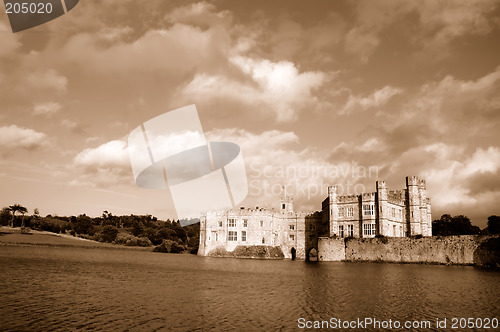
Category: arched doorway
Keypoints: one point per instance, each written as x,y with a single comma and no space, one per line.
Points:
293,252
313,255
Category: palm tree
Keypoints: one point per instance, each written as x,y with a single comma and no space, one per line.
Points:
17,208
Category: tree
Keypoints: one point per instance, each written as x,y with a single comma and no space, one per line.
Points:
5,216
457,225
494,224
17,208
109,233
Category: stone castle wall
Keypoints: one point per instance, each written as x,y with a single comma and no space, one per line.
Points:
459,250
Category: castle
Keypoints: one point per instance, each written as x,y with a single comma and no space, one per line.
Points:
399,213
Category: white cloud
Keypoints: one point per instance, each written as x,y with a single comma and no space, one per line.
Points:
49,108
450,170
110,154
276,87
376,99
13,137
200,13
103,166
115,33
274,158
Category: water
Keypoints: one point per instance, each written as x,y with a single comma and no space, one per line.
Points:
44,288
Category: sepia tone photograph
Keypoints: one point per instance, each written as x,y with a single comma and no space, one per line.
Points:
250,165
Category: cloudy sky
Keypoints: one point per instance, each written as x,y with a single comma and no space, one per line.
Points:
403,87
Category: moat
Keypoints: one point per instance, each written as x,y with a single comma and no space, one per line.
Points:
72,288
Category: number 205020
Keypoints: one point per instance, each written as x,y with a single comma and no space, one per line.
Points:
28,7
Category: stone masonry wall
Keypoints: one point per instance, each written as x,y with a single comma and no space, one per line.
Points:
331,249
459,250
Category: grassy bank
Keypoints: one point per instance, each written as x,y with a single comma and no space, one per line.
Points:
13,237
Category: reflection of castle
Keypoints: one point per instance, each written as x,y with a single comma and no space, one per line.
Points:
398,213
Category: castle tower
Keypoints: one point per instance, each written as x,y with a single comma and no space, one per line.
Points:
429,218
333,210
383,209
286,202
412,206
422,192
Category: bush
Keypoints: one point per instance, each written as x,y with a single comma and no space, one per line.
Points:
176,248
169,246
131,240
109,233
382,238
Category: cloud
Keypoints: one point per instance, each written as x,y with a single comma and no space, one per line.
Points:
274,158
452,178
276,87
199,14
115,33
436,24
442,22
375,100
103,166
46,79
110,154
49,108
13,137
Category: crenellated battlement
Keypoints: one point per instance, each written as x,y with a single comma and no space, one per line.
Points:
368,196
348,199
396,196
412,181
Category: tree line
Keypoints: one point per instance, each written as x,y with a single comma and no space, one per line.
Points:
461,225
132,230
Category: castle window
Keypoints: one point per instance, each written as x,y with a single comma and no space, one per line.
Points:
368,229
232,236
368,210
245,222
292,227
350,230
283,206
216,237
231,222
262,224
393,212
220,223
341,230
341,212
243,236
350,211
291,237
263,240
